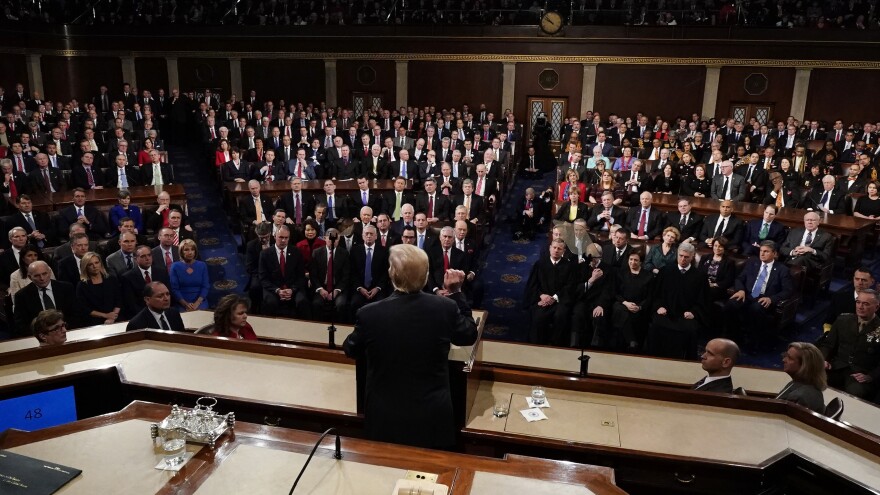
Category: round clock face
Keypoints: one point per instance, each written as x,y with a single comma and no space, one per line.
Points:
551,23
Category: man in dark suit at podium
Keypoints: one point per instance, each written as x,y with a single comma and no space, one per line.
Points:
403,363
158,313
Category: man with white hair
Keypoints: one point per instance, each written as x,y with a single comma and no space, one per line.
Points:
43,293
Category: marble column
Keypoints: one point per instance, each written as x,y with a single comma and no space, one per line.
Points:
35,74
330,95
129,74
402,72
710,91
588,89
508,83
235,85
173,75
799,93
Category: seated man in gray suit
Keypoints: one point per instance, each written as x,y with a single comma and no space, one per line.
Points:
728,185
808,246
718,360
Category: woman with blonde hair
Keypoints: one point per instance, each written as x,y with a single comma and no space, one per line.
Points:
805,364
97,292
189,278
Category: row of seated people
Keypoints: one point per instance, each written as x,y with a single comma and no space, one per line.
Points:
662,299
749,180
93,289
293,273
49,229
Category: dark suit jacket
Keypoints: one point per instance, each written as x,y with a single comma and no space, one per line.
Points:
737,186
307,205
563,212
41,220
389,199
823,243
654,225
144,319
271,278
842,301
442,207
722,385
28,304
618,215
412,169
779,284
374,201
691,229
400,362
38,183
609,252
159,258
366,167
751,234
132,284
457,260
168,174
733,230
836,203
248,210
68,270
844,347
477,205
379,268
97,228
318,270
132,174
80,178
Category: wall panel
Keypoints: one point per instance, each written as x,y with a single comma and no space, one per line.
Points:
13,70
452,84
291,80
366,76
732,89
80,77
196,74
571,78
847,94
152,74
667,91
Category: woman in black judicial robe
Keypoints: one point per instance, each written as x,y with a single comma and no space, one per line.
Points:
403,343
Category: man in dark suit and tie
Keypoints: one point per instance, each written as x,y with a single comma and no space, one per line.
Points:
434,205
688,222
548,296
617,252
827,199
728,185
645,222
761,285
369,284
724,224
330,281
766,229
133,282
404,167
43,178
121,176
717,361
402,362
606,214
755,177
157,312
808,246
89,216
283,278
444,256
37,224
43,293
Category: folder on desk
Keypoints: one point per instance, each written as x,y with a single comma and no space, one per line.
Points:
26,475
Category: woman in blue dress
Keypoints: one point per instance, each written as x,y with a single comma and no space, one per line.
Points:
125,209
189,278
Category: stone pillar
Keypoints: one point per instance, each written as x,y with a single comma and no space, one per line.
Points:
710,91
799,93
402,84
588,89
173,75
235,85
129,74
35,75
508,83
330,82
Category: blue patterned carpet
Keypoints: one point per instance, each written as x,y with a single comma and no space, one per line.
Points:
218,246
508,262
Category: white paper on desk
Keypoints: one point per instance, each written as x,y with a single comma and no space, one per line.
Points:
532,405
533,414
177,467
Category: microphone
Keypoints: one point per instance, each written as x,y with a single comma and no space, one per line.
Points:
337,454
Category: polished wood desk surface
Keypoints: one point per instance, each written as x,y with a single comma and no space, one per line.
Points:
591,420
307,332
793,217
115,450
110,196
283,186
262,373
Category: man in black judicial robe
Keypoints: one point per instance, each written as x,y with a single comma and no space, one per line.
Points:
548,296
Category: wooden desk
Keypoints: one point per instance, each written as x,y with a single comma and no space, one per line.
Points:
116,451
97,197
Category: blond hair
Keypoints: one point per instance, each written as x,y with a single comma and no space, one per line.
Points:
408,268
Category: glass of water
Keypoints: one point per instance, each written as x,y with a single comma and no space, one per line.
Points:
538,395
174,446
501,409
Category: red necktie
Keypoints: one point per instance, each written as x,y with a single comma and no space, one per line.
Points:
430,207
480,186
445,260
329,283
147,278
282,263
20,163
642,221
168,261
13,191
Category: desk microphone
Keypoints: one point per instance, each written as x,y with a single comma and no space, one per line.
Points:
337,454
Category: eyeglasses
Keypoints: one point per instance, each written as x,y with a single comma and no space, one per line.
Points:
58,326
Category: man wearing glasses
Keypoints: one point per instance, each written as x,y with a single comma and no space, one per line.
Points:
49,328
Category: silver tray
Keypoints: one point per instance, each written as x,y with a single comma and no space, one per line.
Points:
201,424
